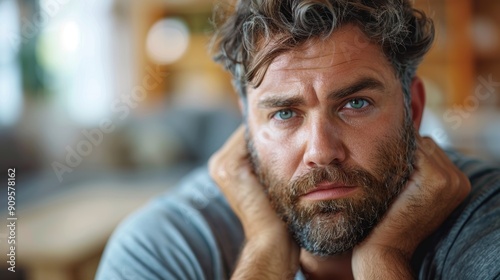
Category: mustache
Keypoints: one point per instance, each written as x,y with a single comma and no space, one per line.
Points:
332,173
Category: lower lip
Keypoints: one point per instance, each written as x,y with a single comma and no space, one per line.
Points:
328,194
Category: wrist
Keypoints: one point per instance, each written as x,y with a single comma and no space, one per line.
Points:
268,256
274,241
381,262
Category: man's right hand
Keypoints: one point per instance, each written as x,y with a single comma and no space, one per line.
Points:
270,252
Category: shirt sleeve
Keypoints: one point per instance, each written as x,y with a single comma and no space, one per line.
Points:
467,246
475,253
189,233
161,242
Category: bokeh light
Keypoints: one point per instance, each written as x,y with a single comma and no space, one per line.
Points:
167,40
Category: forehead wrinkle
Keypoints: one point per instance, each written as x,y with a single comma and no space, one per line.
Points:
317,49
296,60
291,62
310,57
302,59
283,82
305,68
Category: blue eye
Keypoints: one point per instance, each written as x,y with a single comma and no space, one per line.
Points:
357,103
284,114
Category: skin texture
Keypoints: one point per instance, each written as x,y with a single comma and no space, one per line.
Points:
329,226
325,129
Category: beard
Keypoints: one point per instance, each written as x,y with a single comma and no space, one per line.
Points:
331,227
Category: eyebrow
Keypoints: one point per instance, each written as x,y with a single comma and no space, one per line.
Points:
362,84
294,101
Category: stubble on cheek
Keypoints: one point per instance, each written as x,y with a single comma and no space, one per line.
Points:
273,163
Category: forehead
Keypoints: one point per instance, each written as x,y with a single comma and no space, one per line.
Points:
346,51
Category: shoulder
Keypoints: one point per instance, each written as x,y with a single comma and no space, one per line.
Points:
188,233
475,253
466,245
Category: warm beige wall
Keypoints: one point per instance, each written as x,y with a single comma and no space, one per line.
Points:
196,61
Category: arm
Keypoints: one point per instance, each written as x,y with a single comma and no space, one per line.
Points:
269,252
269,257
152,244
434,190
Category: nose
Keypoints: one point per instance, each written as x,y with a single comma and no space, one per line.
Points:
323,146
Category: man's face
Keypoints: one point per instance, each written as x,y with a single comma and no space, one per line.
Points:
329,139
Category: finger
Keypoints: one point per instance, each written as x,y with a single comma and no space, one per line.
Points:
429,155
232,147
425,144
435,152
234,142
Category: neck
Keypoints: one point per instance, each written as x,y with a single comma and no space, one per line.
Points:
330,267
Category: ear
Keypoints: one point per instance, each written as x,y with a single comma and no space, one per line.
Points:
417,101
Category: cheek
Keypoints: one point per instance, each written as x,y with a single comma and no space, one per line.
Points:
277,153
363,142
361,151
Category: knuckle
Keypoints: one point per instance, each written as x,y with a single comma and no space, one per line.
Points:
456,180
465,186
440,179
212,166
217,170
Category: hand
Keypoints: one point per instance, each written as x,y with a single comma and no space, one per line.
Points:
434,190
231,170
270,251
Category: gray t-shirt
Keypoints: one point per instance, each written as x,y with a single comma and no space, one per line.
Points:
191,233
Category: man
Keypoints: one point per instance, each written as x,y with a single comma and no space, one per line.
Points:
328,178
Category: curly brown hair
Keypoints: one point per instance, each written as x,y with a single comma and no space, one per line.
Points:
254,32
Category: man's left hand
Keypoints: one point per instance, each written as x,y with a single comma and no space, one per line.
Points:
434,190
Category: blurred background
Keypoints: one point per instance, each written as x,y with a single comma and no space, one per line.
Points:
107,103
